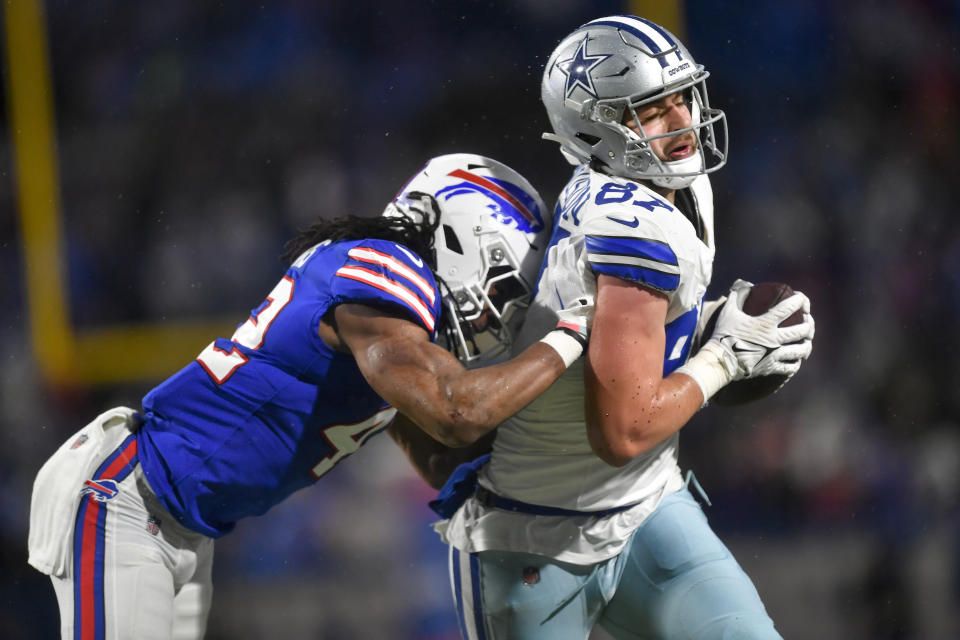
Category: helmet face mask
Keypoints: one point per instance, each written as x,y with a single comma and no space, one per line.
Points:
490,315
600,75
489,245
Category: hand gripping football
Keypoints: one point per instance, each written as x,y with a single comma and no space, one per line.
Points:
761,298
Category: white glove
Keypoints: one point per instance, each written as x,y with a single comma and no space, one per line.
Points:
745,346
709,308
575,297
577,316
756,345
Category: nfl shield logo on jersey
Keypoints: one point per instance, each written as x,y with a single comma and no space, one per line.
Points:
100,490
153,525
531,576
79,441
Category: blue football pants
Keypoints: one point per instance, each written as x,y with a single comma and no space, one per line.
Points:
675,579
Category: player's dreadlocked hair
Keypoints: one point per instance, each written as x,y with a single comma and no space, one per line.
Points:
413,227
414,234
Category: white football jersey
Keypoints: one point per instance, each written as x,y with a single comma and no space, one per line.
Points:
611,225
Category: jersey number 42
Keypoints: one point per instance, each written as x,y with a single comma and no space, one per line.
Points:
221,364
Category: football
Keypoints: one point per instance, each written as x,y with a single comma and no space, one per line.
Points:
761,297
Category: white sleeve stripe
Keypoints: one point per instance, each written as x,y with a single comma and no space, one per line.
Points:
366,254
384,284
655,265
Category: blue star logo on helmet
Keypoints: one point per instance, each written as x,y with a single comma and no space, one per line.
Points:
578,68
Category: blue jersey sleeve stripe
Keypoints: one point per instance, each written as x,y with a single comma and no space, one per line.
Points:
372,256
629,246
397,290
658,280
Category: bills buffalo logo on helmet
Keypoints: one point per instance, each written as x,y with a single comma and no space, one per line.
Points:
509,203
100,490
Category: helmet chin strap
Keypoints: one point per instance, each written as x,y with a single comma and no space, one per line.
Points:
692,166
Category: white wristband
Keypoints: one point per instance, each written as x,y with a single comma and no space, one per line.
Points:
707,369
568,347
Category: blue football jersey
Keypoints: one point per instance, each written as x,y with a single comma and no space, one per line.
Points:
267,412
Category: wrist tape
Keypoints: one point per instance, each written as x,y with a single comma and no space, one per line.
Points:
567,343
707,369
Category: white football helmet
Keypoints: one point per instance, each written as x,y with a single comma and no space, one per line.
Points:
600,74
492,236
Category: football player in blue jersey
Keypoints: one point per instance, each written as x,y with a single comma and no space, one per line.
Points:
580,517
125,514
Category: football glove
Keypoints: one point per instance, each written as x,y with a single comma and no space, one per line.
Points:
709,308
757,345
745,346
576,297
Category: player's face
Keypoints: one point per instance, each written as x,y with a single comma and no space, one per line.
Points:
667,114
499,293
496,297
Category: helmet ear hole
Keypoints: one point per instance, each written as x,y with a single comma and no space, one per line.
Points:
451,240
589,139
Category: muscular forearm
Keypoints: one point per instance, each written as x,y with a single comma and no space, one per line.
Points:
475,401
626,418
454,405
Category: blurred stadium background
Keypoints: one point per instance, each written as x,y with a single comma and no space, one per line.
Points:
155,156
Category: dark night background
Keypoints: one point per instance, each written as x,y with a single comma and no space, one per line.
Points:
194,137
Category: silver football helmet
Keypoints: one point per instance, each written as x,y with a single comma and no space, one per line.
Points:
492,236
598,77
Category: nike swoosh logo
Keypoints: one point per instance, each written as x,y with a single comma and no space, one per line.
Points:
754,349
630,223
417,261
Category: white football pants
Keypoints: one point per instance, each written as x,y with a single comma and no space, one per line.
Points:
135,571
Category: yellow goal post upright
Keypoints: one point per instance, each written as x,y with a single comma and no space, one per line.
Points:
65,355
669,14
112,354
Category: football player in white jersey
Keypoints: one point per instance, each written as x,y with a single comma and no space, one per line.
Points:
581,516
125,513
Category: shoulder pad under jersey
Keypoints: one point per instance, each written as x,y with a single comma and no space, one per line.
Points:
627,233
380,271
